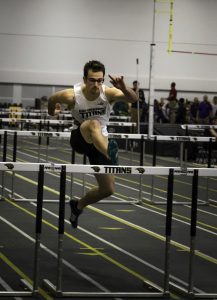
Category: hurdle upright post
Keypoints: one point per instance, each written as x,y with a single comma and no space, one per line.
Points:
209,163
189,292
61,228
57,290
84,182
141,164
193,230
4,158
168,229
153,164
47,140
34,287
71,175
39,142
14,160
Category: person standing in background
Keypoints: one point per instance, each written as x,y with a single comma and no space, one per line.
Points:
172,98
135,106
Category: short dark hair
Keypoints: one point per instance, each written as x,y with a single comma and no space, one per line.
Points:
135,82
95,66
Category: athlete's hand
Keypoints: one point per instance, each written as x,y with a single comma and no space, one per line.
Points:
118,82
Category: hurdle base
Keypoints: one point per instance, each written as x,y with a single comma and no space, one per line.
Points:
205,295
133,201
52,289
193,295
181,290
27,286
200,202
35,200
15,294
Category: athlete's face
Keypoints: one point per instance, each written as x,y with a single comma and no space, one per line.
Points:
94,81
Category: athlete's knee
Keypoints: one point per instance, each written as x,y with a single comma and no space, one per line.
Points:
94,125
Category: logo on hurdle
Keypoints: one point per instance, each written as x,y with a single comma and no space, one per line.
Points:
118,170
45,134
96,168
183,171
141,170
9,166
52,167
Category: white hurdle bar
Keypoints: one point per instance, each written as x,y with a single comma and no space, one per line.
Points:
51,121
105,169
195,127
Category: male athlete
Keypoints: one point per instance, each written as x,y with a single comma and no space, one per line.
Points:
91,102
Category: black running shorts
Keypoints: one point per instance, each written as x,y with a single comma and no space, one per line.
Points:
81,146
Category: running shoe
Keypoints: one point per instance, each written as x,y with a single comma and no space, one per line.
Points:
113,151
75,213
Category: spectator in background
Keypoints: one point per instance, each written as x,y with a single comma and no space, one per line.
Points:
214,107
121,108
165,109
57,110
194,110
134,106
181,112
160,111
172,98
213,131
204,111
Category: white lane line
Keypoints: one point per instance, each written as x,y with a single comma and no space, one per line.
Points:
122,250
66,263
8,288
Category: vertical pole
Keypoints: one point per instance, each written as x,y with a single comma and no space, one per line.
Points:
141,164
168,228
170,40
151,78
14,160
153,164
38,227
84,163
61,228
48,140
138,104
4,158
39,142
71,182
193,231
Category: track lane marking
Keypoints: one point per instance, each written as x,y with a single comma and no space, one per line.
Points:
22,274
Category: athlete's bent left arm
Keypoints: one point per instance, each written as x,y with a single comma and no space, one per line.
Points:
121,92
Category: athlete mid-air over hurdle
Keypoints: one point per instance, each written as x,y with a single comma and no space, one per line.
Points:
90,102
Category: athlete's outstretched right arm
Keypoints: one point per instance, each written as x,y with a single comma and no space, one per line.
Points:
62,97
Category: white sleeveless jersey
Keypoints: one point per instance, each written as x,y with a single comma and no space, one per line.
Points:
98,109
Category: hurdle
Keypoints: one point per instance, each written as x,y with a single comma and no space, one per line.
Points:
33,289
56,290
183,164
65,135
142,138
15,134
190,292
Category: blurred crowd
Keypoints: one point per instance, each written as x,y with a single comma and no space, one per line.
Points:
170,109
